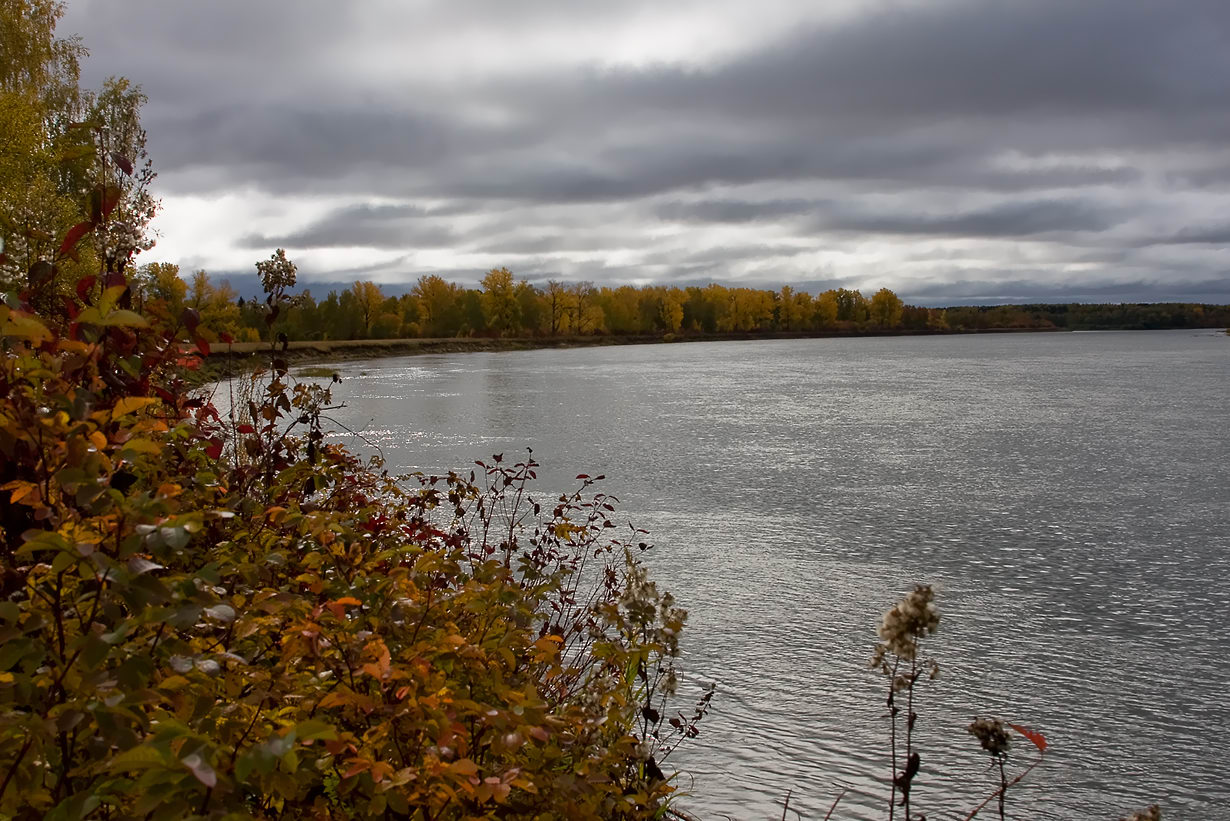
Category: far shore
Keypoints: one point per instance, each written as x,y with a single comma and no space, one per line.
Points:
309,352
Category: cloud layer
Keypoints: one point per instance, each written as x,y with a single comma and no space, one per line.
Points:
956,150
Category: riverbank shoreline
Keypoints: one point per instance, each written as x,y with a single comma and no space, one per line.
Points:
314,352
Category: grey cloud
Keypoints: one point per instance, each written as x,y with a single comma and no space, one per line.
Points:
1060,115
734,210
1211,235
1007,219
371,226
990,291
736,253
1011,219
971,58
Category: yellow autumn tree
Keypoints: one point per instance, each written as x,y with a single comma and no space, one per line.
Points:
886,309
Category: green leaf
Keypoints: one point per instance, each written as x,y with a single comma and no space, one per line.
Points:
75,807
94,650
314,729
138,758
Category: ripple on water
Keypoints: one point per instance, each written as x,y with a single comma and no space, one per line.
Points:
1066,492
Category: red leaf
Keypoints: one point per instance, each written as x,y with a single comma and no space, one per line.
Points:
74,236
214,449
110,199
246,428
202,345
123,162
190,318
225,337
84,285
1037,738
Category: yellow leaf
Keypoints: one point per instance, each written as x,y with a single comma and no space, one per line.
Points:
142,446
125,319
13,323
131,403
20,490
106,303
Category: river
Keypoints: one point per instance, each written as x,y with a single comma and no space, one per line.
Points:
1067,494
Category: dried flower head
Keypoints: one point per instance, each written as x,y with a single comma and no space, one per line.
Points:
913,618
1153,813
992,735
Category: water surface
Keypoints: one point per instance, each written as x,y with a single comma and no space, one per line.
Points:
1066,493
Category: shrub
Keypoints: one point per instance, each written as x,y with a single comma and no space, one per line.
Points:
214,617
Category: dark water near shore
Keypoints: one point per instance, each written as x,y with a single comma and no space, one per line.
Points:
1068,494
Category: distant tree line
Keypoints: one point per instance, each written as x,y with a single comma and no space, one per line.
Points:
504,306
1139,316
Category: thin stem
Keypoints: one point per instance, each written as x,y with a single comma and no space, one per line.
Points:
840,795
909,728
892,712
1005,787
25,748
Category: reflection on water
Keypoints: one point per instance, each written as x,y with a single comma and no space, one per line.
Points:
1067,494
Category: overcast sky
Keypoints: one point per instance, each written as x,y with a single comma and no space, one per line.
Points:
973,150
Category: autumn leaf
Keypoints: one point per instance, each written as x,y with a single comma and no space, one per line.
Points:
338,606
1037,738
131,404
74,236
382,665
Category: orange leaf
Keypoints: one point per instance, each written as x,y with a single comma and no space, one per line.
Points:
1037,738
465,767
382,666
338,606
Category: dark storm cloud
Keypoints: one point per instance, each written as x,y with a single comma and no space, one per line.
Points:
963,79
940,61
